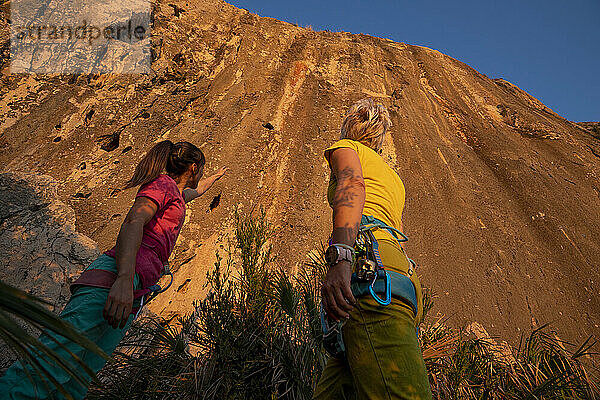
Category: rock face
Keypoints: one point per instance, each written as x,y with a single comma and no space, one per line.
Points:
503,198
40,250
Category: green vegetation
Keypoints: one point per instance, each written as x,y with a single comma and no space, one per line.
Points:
257,336
543,367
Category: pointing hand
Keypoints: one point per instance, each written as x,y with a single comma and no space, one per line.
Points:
221,171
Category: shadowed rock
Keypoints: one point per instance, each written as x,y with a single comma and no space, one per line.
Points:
40,249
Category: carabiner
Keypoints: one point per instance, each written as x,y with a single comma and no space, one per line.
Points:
388,290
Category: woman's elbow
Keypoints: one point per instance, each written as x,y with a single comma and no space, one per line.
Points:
356,183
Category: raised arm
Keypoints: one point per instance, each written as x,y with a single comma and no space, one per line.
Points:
203,185
348,203
120,298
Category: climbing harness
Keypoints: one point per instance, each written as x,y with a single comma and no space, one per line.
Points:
370,278
102,278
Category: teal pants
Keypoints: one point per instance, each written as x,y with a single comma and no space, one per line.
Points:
84,312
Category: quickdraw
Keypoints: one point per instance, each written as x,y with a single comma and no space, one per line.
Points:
155,289
368,267
388,290
367,225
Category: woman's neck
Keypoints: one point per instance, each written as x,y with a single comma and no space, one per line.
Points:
180,181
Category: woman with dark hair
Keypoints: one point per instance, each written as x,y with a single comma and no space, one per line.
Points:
107,295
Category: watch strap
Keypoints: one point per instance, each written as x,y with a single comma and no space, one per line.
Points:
347,255
345,246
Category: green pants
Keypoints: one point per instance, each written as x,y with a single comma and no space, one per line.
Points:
384,360
383,356
84,312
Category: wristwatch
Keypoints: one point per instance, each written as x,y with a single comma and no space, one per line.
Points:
339,252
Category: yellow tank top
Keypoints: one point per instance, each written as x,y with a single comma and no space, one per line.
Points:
384,189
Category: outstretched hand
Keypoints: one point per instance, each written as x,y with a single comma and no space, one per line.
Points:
336,294
119,303
221,171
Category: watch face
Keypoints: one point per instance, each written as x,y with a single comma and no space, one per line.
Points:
331,255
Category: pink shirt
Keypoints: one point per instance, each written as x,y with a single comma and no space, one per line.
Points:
161,232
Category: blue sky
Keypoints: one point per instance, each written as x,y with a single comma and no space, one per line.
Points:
549,48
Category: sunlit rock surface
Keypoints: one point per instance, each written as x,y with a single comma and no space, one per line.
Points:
502,207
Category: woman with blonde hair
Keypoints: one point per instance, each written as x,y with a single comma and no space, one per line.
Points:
106,296
370,294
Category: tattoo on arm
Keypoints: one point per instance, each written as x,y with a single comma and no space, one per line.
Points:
345,193
346,234
349,197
